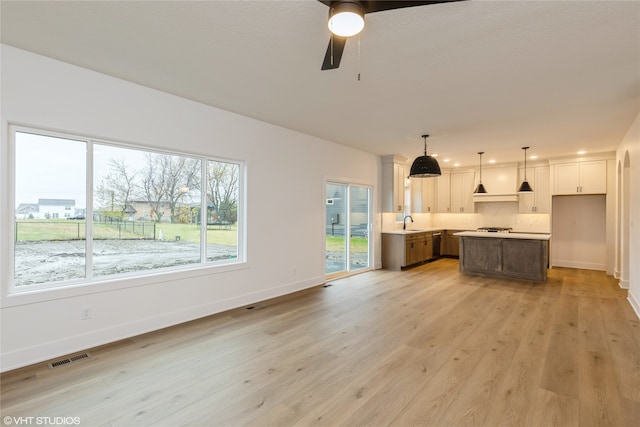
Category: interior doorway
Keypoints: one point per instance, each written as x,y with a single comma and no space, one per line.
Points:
347,229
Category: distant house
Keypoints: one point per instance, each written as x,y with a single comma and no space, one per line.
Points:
129,213
27,210
143,210
48,209
56,208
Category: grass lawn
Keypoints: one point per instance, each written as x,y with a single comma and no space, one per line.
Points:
61,229
53,229
337,244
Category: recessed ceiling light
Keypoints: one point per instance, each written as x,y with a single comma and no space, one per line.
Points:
492,161
533,157
581,152
434,155
446,160
456,164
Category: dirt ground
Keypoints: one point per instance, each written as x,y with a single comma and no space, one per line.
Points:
39,262
54,261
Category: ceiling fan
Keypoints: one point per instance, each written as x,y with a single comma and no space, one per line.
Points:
351,14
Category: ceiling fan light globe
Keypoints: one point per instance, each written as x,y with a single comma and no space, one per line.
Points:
346,20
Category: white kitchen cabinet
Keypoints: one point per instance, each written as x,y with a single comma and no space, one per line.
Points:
539,201
454,192
587,177
393,178
461,192
423,195
443,199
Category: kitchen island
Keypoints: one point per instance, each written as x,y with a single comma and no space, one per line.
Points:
515,255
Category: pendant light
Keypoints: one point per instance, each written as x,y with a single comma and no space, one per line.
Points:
425,166
525,187
480,188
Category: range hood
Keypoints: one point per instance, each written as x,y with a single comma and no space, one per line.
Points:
501,183
495,197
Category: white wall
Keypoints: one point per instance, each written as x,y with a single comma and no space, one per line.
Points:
630,146
286,172
579,236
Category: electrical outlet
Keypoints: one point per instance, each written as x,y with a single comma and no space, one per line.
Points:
85,313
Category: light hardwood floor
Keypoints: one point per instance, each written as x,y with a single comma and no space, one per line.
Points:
428,346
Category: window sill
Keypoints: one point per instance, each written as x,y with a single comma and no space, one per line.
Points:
19,297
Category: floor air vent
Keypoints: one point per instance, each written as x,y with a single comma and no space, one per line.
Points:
68,360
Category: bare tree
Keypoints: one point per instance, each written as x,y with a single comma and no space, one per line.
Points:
117,188
154,185
222,189
166,181
182,177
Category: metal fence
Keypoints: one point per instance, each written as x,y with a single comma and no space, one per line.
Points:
125,229
108,228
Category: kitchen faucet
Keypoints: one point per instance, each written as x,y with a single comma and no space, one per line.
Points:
404,221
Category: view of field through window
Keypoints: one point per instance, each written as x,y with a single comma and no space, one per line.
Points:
149,210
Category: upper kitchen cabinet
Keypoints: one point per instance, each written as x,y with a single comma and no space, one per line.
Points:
394,173
584,177
443,197
423,195
539,201
461,190
454,192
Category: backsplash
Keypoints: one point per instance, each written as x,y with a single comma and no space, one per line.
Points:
499,214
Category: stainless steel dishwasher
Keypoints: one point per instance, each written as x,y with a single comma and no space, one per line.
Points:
437,241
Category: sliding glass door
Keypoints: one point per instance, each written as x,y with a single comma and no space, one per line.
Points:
348,221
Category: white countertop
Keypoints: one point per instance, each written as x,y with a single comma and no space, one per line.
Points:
512,235
413,230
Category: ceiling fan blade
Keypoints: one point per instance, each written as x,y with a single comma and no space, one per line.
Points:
378,6
370,6
336,43
334,52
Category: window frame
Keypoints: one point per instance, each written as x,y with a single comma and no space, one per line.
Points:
120,280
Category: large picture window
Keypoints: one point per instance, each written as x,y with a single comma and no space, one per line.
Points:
50,181
87,210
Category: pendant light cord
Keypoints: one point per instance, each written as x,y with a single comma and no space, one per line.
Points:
358,57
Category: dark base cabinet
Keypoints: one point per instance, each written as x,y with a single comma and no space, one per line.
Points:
508,257
451,244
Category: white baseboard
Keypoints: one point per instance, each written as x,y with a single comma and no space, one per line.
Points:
77,343
623,283
635,303
578,264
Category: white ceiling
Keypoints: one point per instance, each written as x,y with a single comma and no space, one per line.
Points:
489,76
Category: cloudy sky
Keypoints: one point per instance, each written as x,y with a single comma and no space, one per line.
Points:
54,168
